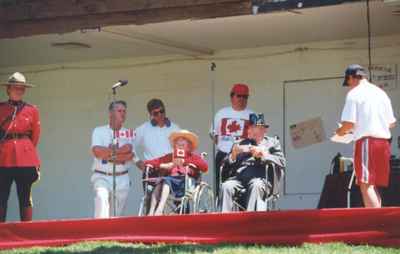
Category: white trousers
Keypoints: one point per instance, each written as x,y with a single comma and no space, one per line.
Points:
103,194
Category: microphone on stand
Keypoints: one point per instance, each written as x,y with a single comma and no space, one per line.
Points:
114,152
119,83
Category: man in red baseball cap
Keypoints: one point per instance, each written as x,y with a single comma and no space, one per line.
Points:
230,124
239,96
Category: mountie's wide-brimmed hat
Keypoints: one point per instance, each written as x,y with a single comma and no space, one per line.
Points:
193,138
258,120
17,79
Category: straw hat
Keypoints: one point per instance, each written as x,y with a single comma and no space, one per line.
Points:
17,79
185,134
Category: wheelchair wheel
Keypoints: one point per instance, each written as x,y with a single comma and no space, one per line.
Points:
143,209
171,207
175,206
203,199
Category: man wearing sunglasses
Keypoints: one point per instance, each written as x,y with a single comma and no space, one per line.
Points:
152,140
368,113
230,124
152,136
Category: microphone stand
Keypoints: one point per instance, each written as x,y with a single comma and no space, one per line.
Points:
212,74
114,145
114,155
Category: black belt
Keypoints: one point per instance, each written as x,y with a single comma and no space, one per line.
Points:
17,136
110,174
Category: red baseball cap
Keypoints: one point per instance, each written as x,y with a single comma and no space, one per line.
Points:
240,89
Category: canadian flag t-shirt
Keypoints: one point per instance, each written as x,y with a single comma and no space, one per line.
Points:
230,125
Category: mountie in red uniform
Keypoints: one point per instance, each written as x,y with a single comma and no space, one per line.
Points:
19,160
18,147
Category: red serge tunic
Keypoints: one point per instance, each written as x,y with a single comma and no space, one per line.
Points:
20,152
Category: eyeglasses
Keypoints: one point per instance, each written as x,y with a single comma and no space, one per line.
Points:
242,96
156,113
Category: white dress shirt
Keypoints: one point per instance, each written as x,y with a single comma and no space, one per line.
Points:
154,140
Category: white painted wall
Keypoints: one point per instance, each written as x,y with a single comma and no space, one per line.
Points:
73,100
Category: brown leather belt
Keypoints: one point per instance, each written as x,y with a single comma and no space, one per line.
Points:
111,174
17,136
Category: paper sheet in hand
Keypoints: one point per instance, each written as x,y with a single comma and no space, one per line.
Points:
245,148
346,139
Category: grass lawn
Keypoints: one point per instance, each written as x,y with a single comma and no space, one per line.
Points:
121,248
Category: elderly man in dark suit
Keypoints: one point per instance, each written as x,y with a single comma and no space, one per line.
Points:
248,161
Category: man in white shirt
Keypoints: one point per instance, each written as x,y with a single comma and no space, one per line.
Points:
369,115
102,149
230,124
152,137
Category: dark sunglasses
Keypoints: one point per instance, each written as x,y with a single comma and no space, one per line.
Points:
242,96
156,113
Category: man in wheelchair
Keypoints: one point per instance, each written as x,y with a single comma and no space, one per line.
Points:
246,168
174,168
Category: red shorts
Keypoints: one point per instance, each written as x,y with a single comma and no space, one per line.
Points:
372,161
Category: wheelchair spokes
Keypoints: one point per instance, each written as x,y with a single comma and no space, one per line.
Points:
204,199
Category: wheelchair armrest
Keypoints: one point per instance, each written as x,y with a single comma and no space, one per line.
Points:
275,177
226,170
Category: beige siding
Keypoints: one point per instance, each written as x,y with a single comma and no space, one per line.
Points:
73,101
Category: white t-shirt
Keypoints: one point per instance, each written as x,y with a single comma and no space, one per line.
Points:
103,136
370,109
153,140
230,125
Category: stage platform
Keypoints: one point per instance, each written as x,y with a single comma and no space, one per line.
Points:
354,226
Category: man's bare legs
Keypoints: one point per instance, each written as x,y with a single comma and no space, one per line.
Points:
370,195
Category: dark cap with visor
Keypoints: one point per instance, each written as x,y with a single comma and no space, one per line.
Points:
354,70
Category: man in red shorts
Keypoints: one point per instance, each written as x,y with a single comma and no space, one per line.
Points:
369,115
